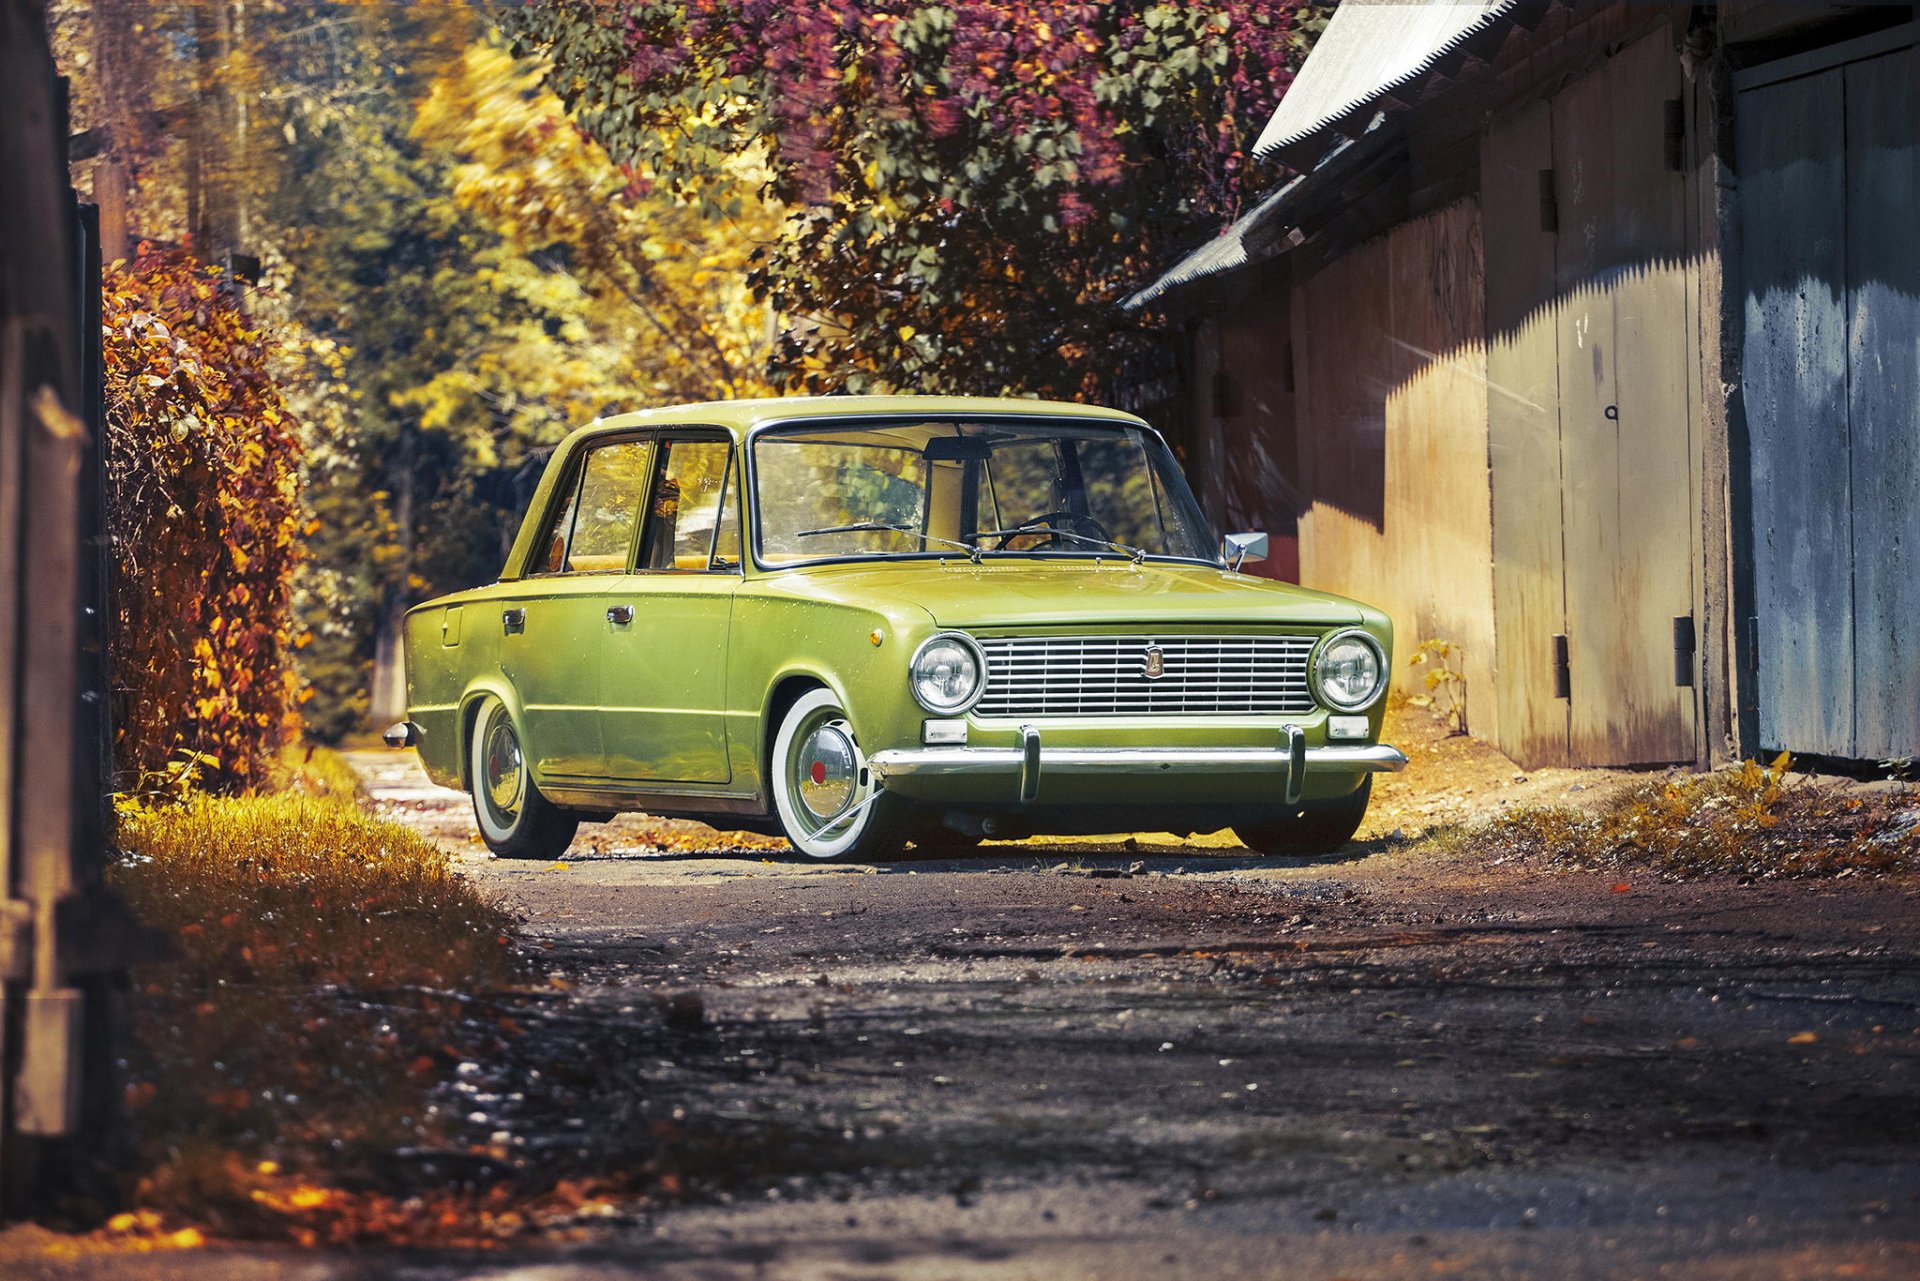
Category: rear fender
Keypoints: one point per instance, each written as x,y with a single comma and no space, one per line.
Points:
476,693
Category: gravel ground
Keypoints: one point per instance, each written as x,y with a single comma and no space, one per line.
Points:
1176,1061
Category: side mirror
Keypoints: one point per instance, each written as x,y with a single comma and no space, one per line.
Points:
1238,549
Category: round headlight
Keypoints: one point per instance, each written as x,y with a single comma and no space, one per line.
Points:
1349,671
946,674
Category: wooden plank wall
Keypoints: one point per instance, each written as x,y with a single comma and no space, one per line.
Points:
1883,398
1792,161
1390,378
1624,342
1245,460
1592,343
1829,176
1523,437
1260,468
55,1044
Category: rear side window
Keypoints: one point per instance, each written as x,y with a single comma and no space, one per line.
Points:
592,530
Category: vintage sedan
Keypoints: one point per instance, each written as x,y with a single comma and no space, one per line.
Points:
863,621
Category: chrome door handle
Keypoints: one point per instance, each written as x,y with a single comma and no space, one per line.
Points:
620,615
513,621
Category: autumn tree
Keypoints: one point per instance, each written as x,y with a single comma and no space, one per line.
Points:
972,185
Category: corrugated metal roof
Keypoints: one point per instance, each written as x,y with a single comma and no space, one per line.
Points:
1223,253
1231,247
1369,48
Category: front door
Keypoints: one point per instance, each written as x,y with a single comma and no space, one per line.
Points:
664,664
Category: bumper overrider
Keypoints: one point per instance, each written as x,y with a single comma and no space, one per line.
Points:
1023,767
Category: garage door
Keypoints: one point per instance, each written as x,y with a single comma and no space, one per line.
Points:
1827,162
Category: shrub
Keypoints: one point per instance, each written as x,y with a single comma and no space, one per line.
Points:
205,527
1749,820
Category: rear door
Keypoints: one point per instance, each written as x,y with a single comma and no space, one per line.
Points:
664,665
554,635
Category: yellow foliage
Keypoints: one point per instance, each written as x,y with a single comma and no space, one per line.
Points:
659,287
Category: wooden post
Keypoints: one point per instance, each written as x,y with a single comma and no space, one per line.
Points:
51,1040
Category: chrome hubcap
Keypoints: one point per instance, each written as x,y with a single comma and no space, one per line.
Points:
504,773
826,771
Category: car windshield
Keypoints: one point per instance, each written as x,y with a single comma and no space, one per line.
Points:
981,488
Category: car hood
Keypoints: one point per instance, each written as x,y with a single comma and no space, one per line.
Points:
1077,593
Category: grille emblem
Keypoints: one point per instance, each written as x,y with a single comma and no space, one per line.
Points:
1156,663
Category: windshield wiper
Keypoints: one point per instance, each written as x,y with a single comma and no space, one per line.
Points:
1134,554
881,526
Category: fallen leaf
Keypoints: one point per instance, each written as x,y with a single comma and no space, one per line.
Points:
1621,887
1802,1038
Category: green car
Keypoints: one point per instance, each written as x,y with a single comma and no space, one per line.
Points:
863,621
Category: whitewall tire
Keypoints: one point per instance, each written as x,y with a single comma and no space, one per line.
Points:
515,820
822,789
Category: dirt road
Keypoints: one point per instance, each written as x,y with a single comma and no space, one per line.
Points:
1178,1061
1057,1063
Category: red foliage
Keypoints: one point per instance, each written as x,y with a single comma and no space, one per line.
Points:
974,182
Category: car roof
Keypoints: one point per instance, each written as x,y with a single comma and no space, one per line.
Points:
741,416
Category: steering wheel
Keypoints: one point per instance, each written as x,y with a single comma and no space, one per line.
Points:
1057,520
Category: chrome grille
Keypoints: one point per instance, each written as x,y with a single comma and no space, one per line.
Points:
1107,676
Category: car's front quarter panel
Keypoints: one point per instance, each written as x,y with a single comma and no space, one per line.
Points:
792,627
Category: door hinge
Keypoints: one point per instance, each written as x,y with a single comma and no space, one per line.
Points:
1562,668
1683,650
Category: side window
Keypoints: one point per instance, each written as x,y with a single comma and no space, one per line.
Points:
552,546
686,506
607,509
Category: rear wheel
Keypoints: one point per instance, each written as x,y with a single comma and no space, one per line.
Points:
1313,827
822,789
516,821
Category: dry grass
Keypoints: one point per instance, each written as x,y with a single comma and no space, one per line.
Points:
261,1064
1746,821
313,771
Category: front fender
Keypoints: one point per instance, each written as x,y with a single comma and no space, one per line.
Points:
778,638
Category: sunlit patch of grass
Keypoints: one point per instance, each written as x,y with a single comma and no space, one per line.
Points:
309,770
1748,820
261,1058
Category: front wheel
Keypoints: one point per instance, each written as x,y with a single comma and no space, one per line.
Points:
1313,827
516,821
822,789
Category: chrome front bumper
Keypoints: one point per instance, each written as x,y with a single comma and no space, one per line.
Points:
1290,758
